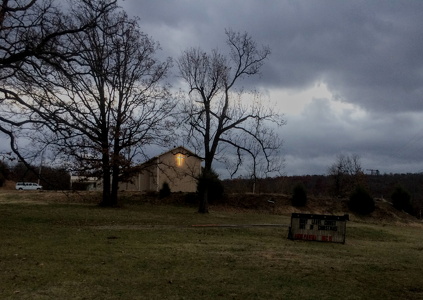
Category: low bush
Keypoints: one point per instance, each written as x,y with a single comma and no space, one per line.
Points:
215,187
361,201
191,199
164,191
4,173
2,180
401,199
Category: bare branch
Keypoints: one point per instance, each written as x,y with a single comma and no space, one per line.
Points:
218,115
88,81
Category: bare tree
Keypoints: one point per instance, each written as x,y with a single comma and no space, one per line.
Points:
30,35
346,172
218,113
262,163
103,105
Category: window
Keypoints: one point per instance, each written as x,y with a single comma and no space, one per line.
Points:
180,159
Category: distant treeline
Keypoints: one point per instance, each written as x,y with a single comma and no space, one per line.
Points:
379,186
51,178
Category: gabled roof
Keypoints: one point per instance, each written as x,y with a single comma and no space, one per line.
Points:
174,151
181,149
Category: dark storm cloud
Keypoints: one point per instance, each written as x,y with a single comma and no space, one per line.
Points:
369,52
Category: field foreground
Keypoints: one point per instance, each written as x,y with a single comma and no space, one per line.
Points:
53,250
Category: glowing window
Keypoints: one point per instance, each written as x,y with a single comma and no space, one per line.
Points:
180,159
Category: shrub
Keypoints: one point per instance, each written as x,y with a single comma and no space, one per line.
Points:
4,173
401,199
215,186
164,191
299,196
191,198
361,201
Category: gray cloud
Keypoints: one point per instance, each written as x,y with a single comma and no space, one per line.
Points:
369,52
390,143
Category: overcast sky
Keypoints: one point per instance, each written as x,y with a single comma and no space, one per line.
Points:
348,75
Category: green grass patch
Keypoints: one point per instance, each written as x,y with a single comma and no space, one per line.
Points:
80,251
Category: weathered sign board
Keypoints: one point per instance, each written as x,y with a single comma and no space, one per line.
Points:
312,227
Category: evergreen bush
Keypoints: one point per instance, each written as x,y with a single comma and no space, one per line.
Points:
164,191
299,196
361,201
4,173
401,199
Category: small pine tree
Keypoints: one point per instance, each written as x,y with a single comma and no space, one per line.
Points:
401,199
164,191
361,201
299,196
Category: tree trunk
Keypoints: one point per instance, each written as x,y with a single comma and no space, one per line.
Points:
204,200
203,207
107,199
115,185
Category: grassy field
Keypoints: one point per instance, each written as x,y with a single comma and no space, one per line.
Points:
143,251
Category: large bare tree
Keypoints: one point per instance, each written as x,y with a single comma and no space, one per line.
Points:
219,113
100,107
30,35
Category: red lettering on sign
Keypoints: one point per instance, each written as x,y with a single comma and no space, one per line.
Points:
308,237
326,238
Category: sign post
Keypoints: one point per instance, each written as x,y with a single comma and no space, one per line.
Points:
323,228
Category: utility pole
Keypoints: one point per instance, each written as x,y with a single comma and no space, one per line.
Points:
41,165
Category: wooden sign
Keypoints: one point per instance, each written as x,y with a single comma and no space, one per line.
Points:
323,228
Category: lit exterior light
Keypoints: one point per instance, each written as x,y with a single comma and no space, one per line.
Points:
180,159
